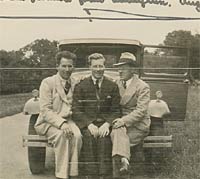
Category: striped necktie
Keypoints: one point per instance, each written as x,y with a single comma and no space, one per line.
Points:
67,87
97,95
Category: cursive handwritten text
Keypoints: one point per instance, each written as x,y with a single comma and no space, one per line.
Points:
82,2
191,3
144,2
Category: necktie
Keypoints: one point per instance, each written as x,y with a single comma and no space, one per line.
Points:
97,95
124,84
97,84
67,87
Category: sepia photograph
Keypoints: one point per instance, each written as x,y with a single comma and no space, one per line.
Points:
94,89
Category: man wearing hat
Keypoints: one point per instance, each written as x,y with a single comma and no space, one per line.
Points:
134,124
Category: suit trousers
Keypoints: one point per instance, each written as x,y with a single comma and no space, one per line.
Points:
121,142
66,151
121,139
95,156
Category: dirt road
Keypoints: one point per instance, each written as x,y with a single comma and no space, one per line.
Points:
13,157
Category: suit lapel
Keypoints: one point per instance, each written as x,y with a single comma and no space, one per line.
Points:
129,92
103,86
60,89
121,88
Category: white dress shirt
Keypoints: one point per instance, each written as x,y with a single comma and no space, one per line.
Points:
100,81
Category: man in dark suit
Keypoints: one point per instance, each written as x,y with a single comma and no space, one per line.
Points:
96,103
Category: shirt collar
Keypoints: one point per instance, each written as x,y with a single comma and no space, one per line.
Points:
63,81
94,80
128,82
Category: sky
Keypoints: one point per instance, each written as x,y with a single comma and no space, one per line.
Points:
16,33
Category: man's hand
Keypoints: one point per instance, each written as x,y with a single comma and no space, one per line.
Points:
94,130
117,123
67,130
104,130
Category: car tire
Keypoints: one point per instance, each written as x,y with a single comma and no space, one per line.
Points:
36,155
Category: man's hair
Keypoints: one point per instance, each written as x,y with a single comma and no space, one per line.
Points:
65,54
95,56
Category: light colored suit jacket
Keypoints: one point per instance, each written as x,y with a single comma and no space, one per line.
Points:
55,105
134,102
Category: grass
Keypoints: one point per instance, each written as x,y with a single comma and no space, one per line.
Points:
184,161
12,104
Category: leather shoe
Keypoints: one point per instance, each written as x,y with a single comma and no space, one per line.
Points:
125,165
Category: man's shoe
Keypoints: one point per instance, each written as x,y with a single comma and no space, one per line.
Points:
125,165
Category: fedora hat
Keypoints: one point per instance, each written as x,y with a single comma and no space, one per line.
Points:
127,58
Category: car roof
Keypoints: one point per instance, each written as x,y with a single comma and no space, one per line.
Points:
99,40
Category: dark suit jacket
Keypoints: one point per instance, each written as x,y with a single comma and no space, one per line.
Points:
86,108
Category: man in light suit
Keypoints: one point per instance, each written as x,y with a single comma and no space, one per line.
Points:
96,103
55,120
134,124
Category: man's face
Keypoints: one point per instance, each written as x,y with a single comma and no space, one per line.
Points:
65,68
97,67
125,72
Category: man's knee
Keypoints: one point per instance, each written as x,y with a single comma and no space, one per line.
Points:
55,136
119,132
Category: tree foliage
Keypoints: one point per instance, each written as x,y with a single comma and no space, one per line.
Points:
38,54
179,38
186,39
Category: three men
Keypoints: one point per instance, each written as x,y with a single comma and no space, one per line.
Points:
55,120
95,110
95,105
134,124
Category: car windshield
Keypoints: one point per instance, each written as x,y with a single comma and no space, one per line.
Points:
111,52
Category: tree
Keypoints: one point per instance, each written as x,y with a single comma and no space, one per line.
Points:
179,38
40,53
9,59
4,58
186,39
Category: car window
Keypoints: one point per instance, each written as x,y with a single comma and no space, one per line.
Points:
165,61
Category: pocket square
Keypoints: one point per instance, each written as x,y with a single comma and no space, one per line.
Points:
108,97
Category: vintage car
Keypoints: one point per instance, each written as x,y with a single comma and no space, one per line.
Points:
164,68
